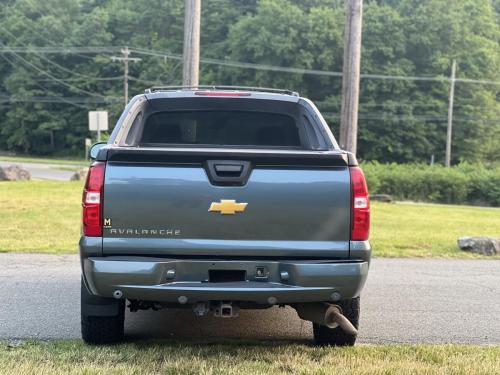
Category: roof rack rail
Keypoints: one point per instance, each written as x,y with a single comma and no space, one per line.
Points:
216,87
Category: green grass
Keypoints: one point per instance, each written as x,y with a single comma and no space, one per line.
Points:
34,159
40,216
429,230
73,357
44,216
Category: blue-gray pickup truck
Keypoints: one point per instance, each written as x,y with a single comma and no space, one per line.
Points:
216,199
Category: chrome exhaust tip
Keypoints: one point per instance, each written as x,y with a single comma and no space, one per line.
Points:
326,315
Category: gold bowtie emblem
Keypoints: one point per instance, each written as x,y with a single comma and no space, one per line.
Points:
227,207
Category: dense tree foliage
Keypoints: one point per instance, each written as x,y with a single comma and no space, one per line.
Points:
45,94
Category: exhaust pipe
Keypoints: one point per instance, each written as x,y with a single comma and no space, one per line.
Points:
326,315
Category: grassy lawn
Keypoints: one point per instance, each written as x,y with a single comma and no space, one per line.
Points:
44,216
73,357
428,230
33,159
40,216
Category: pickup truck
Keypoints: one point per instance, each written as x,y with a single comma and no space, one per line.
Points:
216,199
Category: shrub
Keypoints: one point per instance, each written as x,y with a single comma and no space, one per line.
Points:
462,184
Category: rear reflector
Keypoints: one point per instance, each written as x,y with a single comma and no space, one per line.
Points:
221,93
360,206
92,200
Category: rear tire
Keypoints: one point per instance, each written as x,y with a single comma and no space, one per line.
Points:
336,336
101,329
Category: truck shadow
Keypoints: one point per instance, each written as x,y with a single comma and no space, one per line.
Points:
275,324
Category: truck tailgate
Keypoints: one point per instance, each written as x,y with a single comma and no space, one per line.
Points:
166,202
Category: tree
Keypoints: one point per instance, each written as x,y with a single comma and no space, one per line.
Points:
45,97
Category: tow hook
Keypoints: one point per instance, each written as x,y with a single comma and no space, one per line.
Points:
325,314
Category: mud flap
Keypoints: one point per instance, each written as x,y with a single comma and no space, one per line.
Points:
92,305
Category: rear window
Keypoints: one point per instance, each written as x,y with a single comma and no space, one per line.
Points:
216,128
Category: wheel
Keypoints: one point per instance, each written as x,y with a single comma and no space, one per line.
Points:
336,336
102,319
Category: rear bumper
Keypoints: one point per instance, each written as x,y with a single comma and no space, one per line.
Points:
285,281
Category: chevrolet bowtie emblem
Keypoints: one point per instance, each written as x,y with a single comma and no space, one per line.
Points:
227,207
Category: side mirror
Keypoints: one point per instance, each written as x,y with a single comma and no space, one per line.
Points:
94,150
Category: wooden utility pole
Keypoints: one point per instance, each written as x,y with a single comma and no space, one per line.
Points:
350,79
125,59
191,55
447,162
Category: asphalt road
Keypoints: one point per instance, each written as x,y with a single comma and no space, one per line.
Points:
405,300
40,171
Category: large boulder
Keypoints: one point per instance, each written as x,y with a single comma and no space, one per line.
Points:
14,173
480,245
81,175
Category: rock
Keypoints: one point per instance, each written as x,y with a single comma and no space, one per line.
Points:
14,173
81,175
381,198
480,245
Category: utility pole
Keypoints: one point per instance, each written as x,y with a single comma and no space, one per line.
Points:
125,59
447,162
350,78
191,54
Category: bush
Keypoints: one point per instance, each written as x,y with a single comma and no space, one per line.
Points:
462,184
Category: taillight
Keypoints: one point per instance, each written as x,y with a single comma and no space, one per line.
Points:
92,200
360,225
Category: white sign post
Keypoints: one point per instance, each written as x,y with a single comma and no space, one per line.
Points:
88,144
98,121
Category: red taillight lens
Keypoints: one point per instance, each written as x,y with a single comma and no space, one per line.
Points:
360,226
92,200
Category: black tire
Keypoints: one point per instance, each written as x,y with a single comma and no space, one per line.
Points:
101,329
336,336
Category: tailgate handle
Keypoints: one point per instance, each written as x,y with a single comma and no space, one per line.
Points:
228,172
228,169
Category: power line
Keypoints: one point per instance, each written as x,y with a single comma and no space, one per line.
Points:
117,78
245,65
44,88
393,107
55,79
60,99
56,64
44,72
367,116
83,76
240,64
385,117
362,116
70,50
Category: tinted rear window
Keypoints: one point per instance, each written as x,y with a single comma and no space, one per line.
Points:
215,128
